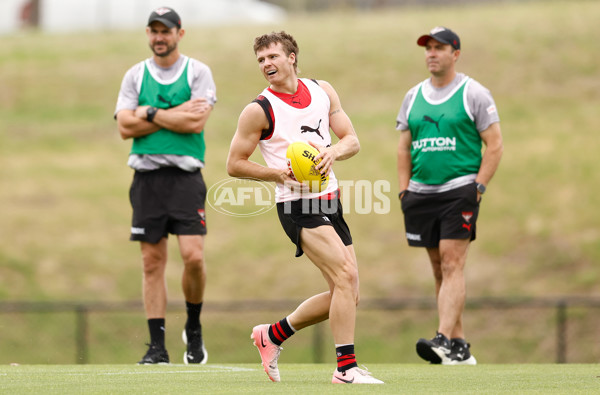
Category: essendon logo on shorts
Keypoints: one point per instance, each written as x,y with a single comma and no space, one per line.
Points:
467,216
202,215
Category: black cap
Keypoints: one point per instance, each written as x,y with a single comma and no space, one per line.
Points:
167,16
441,34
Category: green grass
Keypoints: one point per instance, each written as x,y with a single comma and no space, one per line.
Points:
299,379
64,181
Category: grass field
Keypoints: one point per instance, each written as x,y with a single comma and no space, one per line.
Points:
64,209
298,379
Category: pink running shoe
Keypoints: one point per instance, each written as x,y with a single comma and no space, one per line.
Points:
354,376
269,352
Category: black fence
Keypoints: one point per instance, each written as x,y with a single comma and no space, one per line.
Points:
489,321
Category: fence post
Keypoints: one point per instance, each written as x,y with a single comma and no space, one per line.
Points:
561,331
81,334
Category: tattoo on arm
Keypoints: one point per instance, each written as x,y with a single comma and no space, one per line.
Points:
334,112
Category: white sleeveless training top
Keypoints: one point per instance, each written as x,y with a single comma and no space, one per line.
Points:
292,124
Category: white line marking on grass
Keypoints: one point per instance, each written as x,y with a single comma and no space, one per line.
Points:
153,372
205,369
232,368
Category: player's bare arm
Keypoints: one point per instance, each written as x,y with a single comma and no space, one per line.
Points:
492,138
341,125
404,159
251,123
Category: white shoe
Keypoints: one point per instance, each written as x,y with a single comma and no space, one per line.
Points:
269,352
354,375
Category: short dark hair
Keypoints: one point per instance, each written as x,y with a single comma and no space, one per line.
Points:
287,42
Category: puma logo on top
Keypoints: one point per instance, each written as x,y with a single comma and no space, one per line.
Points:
436,123
168,102
304,129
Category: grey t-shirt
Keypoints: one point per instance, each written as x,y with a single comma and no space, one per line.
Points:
479,101
201,84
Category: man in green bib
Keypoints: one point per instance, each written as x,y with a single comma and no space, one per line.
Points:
163,105
442,175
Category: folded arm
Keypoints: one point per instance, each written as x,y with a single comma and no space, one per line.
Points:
188,117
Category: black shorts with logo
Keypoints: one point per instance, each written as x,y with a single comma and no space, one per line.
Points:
167,200
311,213
430,217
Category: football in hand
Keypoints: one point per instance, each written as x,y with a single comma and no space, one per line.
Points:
301,161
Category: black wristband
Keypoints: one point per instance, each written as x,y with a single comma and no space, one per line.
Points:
401,193
150,113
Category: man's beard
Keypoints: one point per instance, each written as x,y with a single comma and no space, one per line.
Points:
170,48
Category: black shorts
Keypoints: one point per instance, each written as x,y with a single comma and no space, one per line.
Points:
311,213
167,200
430,217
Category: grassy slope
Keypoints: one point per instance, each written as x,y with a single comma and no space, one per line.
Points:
64,180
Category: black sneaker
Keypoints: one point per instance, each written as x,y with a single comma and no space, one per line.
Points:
155,355
460,354
196,352
435,350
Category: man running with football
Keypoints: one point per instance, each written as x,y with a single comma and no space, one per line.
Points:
284,113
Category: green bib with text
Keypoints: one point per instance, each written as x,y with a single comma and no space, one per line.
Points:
445,141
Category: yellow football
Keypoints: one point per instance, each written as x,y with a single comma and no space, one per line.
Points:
301,161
